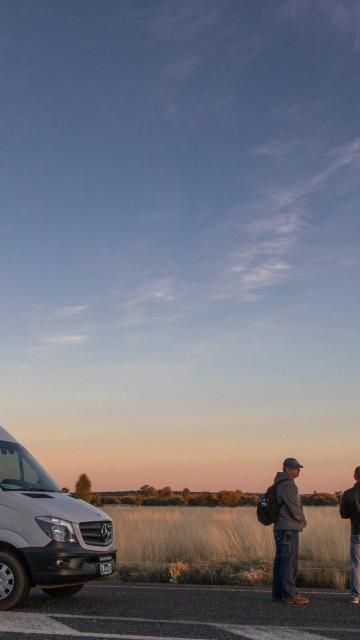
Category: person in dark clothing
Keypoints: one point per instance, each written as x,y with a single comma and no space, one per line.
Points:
290,522
350,508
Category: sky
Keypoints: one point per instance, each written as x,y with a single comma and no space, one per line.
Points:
179,239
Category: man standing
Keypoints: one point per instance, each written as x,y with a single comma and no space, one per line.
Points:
350,508
289,522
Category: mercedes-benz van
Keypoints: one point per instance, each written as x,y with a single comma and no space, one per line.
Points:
48,538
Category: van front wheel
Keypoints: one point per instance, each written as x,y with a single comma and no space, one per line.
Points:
63,592
14,581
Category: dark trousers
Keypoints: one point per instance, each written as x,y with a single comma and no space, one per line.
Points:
285,563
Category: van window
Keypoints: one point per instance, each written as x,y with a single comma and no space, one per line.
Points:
30,475
9,464
19,471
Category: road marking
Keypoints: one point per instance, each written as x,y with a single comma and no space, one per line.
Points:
226,627
44,624
33,623
41,624
171,587
274,633
125,619
332,629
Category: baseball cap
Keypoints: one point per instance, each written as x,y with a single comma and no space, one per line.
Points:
292,463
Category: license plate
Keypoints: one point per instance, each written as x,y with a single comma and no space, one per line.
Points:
105,568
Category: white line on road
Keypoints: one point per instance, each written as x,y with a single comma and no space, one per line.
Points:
33,623
44,624
273,633
41,624
125,619
171,587
198,623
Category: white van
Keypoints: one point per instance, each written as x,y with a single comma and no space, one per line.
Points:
48,538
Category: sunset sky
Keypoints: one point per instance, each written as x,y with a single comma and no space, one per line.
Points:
179,239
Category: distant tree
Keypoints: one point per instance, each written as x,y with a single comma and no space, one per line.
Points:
228,498
320,499
129,499
96,500
83,488
65,490
165,492
155,501
186,496
247,499
138,500
206,499
147,490
110,500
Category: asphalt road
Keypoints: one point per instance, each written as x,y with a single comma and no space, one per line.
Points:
152,612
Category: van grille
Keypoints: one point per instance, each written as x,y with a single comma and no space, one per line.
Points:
97,533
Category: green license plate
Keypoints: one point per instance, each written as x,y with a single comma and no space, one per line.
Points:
105,568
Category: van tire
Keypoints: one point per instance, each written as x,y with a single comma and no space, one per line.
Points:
14,576
63,592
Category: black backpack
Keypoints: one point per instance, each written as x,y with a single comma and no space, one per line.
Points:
268,509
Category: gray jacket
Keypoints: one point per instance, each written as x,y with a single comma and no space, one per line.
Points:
291,515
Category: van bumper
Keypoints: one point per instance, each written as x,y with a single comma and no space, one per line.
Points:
59,564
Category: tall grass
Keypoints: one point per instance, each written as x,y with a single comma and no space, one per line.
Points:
226,543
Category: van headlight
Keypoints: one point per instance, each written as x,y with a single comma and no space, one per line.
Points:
57,529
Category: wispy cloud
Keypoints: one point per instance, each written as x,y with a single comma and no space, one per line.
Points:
283,224
273,149
344,16
186,20
51,343
264,275
65,340
160,290
341,16
250,252
342,157
257,265
261,264
296,111
68,312
151,292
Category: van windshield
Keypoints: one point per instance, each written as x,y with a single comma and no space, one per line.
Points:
19,471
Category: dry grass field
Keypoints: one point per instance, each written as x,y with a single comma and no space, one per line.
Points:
223,545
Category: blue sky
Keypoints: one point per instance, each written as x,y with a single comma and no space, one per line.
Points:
179,238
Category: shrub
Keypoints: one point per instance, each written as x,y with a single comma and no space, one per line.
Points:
207,499
96,500
110,500
147,490
228,498
128,500
165,492
320,499
176,571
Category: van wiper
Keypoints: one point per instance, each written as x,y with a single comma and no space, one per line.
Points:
44,490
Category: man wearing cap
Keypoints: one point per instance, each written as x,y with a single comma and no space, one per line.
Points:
289,523
350,508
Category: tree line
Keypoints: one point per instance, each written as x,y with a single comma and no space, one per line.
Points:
149,496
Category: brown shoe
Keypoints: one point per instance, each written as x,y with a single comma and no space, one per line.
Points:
297,600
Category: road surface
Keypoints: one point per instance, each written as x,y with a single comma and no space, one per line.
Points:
180,612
